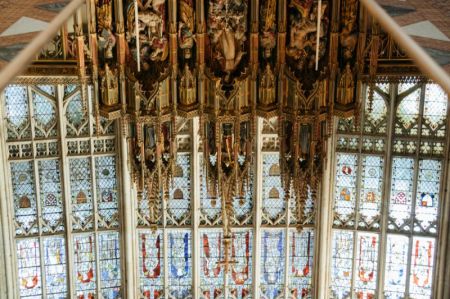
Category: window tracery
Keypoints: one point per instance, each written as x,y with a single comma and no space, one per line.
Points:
404,180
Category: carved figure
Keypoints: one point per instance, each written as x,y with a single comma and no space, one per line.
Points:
346,87
348,36
187,87
268,28
227,27
186,27
153,42
107,40
303,32
110,87
267,87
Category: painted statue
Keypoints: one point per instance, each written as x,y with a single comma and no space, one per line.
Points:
151,31
107,40
109,87
186,27
268,27
227,26
267,87
346,87
303,33
188,90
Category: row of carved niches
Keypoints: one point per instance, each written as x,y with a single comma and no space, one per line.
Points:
229,43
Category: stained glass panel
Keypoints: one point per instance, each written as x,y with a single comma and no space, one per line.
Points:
50,196
401,194
272,264
210,205
29,266
407,114
366,265
55,267
84,270
243,205
106,181
434,111
44,114
110,272
180,264
341,265
81,193
240,275
151,264
211,272
396,266
273,199
77,118
375,115
422,263
345,189
180,191
371,190
427,196
301,264
25,208
17,114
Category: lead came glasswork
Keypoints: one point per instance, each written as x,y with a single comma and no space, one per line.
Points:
81,193
396,266
211,270
274,204
55,267
29,266
341,265
17,113
301,263
345,189
106,181
272,264
178,205
240,276
407,114
25,208
84,271
371,190
401,194
434,111
50,196
44,111
110,271
151,264
427,196
366,265
180,264
422,261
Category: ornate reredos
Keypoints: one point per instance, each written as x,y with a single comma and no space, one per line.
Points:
211,54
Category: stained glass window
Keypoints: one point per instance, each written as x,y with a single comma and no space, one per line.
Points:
412,118
272,263
180,264
60,201
211,271
301,263
274,204
151,264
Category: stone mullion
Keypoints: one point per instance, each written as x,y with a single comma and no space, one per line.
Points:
387,173
128,229
7,218
195,195
257,212
65,187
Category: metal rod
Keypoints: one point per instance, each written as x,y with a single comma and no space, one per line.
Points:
136,25
319,17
